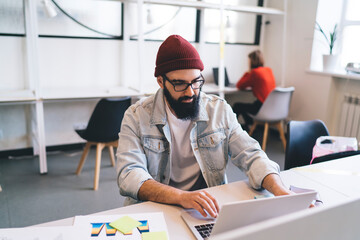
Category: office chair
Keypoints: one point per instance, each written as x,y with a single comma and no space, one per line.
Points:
274,110
301,138
102,130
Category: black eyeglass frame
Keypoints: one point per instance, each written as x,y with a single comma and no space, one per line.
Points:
188,84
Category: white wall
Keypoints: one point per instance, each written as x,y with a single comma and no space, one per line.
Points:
310,99
79,62
12,64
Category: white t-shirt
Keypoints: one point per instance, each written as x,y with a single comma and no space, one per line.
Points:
185,170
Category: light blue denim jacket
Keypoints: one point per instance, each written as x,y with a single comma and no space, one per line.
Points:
144,145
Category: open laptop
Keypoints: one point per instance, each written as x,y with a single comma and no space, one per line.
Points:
216,78
238,214
319,223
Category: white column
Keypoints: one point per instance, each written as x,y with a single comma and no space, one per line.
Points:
34,81
140,43
222,50
283,67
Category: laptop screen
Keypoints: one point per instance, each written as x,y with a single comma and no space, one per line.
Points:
216,77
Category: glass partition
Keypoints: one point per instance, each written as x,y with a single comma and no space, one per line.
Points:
12,17
160,21
80,18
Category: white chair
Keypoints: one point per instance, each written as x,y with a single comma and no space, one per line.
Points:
274,110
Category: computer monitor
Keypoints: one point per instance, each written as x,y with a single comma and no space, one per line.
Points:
339,221
216,77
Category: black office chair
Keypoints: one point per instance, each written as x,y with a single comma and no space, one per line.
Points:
301,138
102,130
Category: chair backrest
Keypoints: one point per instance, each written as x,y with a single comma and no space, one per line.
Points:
301,138
276,106
105,121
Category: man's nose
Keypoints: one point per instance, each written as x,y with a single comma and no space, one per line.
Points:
189,91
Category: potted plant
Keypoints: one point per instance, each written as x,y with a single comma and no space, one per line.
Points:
329,60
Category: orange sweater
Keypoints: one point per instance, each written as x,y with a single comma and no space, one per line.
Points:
261,80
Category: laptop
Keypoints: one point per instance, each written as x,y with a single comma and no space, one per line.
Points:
216,78
242,213
319,223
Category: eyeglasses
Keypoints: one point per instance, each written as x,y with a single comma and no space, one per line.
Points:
181,85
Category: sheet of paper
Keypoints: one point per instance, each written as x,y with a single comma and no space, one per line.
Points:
125,224
43,233
155,236
317,202
98,227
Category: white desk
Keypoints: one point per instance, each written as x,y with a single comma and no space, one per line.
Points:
225,193
176,227
77,93
342,175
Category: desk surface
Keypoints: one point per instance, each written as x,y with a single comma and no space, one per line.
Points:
66,93
233,192
342,175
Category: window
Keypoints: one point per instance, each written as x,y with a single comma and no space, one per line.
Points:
12,17
239,27
350,34
81,18
160,21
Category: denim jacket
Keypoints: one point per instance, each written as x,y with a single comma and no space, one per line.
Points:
216,137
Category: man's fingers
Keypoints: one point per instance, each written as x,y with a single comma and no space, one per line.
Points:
199,208
213,200
201,201
207,204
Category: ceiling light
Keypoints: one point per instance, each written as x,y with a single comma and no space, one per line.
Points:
49,9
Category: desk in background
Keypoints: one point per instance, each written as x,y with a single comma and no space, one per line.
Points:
55,95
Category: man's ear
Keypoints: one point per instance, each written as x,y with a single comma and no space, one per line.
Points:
160,81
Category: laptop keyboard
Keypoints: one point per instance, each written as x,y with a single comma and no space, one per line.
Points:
205,230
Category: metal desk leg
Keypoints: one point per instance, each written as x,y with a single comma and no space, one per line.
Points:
39,145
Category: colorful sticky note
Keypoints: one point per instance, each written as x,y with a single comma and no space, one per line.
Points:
125,224
144,227
154,236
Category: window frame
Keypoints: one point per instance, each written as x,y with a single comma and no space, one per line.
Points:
343,24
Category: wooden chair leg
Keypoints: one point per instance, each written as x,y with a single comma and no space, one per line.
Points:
253,127
99,148
282,135
266,129
111,153
83,158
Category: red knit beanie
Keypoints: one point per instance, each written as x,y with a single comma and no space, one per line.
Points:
177,53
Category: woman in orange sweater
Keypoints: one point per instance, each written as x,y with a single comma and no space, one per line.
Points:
261,81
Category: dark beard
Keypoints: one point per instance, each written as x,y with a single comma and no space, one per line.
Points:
184,111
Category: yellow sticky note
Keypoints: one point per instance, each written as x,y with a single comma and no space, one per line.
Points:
125,224
154,236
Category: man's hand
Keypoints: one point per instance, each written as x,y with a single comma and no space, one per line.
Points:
201,201
273,184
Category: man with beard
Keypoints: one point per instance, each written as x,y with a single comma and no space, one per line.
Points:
176,143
